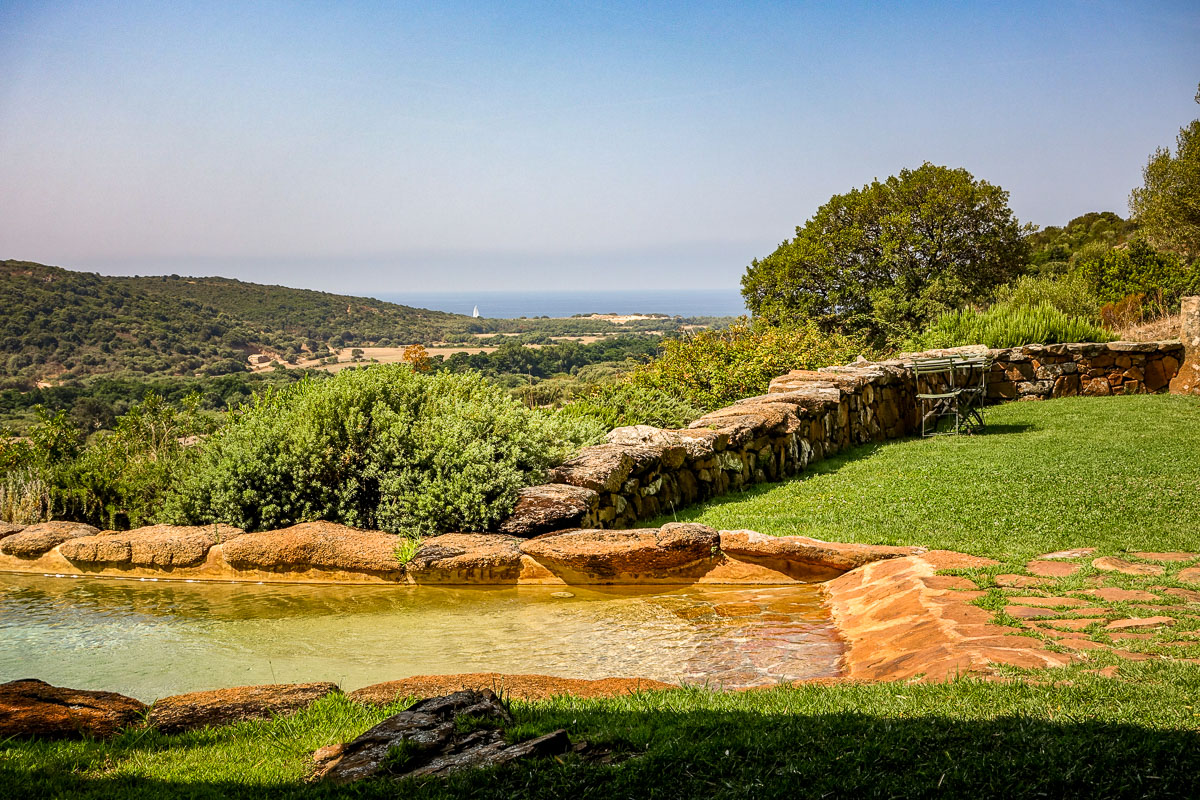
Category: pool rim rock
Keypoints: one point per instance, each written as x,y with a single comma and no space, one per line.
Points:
324,552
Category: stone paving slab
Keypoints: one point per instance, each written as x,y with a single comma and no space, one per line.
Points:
1114,564
1052,569
1173,556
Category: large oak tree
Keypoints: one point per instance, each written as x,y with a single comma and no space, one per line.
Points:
885,259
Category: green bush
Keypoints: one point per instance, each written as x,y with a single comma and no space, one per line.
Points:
615,405
1070,293
380,447
1160,277
1004,325
713,368
123,476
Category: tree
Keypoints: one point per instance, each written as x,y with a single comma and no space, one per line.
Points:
1167,205
418,357
885,259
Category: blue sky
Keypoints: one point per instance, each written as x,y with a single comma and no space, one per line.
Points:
378,147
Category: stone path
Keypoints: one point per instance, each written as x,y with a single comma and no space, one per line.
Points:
1124,606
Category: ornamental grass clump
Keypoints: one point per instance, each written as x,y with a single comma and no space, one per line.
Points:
384,447
1003,325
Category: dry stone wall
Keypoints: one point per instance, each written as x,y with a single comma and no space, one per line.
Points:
642,472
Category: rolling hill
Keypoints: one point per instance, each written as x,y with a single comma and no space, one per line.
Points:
62,324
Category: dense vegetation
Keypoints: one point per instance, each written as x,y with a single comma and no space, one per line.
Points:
67,324
1008,325
385,447
1054,250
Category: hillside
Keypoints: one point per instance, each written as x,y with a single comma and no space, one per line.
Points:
63,324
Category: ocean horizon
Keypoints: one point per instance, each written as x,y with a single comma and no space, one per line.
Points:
515,304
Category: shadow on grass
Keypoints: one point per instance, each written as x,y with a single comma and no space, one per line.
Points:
719,754
1002,430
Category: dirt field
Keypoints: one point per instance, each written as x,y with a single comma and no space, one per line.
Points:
381,355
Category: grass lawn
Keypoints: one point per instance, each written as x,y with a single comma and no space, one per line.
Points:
1114,473
1084,736
1118,474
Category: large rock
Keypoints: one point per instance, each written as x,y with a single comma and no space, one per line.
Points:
37,540
672,447
741,424
757,546
183,712
552,507
467,558
8,529
647,553
602,468
431,743
317,545
161,546
35,708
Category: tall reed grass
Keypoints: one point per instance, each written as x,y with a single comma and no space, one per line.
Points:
24,499
1003,325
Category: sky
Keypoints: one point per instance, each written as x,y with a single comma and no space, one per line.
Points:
375,148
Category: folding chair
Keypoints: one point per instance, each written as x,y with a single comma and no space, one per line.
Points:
938,398
972,379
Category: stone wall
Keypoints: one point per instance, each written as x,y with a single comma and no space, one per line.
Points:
642,472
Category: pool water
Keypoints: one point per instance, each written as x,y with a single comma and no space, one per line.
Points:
150,639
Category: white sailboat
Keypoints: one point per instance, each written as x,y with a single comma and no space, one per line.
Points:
475,313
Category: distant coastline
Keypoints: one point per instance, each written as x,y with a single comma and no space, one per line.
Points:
511,305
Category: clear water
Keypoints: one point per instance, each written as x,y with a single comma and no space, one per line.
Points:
152,639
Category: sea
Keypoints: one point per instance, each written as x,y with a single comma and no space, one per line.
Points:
512,305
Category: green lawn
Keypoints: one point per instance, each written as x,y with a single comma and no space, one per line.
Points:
1086,736
1119,473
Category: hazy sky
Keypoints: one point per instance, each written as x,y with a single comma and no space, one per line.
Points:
377,147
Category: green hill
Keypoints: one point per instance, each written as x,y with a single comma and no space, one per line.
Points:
63,324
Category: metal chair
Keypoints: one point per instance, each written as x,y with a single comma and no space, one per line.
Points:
971,379
940,399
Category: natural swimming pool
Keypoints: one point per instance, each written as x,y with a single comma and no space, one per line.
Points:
150,639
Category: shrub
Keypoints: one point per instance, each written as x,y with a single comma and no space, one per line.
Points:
123,477
1125,313
1161,278
714,368
615,405
1003,325
24,498
380,447
1070,293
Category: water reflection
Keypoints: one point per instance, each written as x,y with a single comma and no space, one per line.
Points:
149,639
